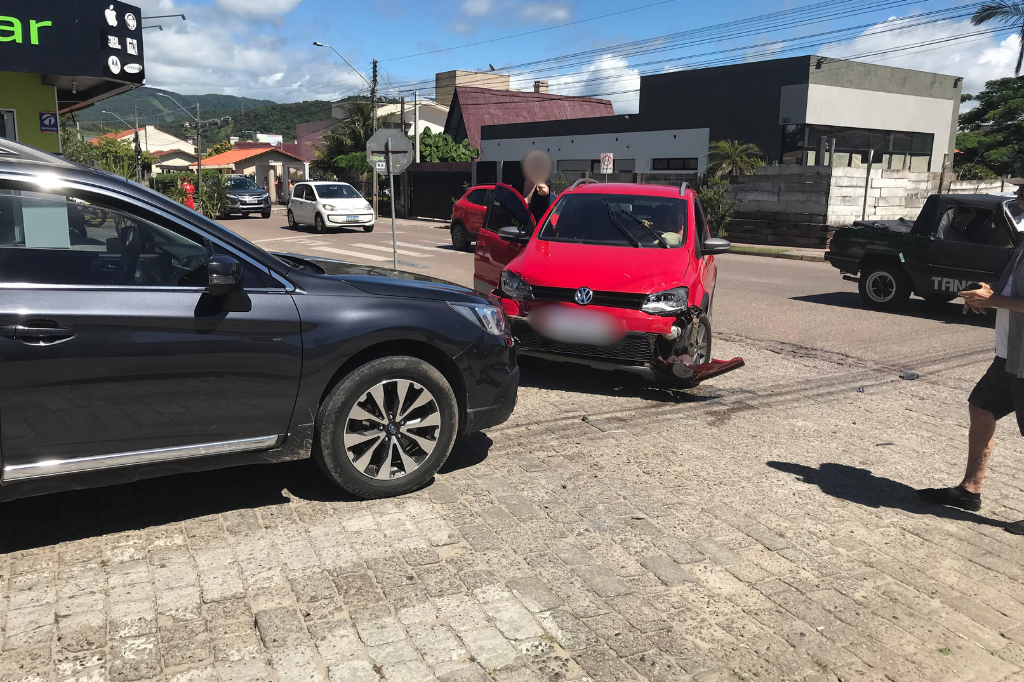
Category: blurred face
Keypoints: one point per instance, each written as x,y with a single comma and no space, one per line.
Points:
536,167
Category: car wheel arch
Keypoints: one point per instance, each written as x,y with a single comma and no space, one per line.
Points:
422,350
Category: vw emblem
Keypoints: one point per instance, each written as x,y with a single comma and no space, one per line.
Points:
584,296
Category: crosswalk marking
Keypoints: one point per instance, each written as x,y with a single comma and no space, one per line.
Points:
353,254
388,249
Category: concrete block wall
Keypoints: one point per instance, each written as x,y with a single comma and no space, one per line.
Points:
997,186
891,194
782,193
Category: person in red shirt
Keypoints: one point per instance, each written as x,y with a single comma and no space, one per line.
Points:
189,191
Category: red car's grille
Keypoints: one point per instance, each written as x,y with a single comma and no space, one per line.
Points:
637,348
610,299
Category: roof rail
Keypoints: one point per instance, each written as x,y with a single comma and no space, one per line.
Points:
582,181
683,187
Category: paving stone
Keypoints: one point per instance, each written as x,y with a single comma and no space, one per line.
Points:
296,664
602,580
534,594
354,671
667,570
134,658
281,628
82,631
437,643
567,629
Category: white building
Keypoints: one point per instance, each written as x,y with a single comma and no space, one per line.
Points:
151,140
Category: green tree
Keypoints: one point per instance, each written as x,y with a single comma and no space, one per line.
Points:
1005,12
973,171
118,156
73,146
441,147
992,133
336,154
220,148
732,157
714,198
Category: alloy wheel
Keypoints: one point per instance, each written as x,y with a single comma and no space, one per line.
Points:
700,352
880,287
392,429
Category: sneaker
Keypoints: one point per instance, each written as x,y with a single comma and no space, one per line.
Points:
952,497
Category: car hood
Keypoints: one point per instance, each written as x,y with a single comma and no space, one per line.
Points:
380,281
602,268
245,192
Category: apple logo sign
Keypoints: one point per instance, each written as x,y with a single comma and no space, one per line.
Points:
129,21
114,64
111,16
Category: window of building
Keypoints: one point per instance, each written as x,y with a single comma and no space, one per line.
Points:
812,145
676,164
8,126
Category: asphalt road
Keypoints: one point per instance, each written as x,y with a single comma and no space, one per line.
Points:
793,305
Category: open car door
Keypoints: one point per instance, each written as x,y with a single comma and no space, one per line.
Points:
506,208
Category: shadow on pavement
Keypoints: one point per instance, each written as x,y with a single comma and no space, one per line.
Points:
469,451
569,376
949,313
860,486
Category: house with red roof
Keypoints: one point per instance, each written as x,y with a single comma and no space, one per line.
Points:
151,139
257,161
473,108
172,160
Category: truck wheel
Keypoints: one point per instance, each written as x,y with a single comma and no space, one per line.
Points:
387,427
460,238
884,286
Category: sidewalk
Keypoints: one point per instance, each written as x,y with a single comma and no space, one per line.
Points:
786,252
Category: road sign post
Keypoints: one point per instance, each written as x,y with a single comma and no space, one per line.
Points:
607,164
389,152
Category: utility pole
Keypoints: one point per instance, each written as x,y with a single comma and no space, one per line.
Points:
416,126
373,116
138,150
199,160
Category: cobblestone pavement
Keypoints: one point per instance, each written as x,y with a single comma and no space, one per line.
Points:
762,528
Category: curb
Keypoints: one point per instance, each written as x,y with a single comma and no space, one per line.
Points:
785,256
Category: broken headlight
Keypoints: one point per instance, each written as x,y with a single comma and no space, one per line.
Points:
671,302
515,287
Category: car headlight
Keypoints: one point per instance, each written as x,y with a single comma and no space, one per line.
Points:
329,207
515,287
671,302
366,206
488,317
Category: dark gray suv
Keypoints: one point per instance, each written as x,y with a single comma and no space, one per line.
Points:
138,339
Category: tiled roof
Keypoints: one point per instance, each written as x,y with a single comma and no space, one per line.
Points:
114,136
235,155
162,152
484,107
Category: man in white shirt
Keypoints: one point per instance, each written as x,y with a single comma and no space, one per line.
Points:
1000,391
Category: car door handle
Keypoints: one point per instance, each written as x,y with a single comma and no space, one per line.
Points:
36,335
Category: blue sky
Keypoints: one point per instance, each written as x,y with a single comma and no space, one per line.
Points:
263,48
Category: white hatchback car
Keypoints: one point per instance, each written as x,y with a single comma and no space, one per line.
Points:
325,204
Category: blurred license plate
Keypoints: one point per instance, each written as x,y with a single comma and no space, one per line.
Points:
584,327
352,218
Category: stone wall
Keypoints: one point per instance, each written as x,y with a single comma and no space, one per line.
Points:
891,194
996,186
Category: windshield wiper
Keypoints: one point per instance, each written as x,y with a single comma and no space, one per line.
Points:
620,227
664,244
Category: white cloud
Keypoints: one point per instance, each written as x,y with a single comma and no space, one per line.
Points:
262,8
545,12
608,78
976,60
476,8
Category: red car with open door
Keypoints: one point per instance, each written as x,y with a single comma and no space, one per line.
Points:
468,216
616,276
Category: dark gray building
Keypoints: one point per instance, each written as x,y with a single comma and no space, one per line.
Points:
793,109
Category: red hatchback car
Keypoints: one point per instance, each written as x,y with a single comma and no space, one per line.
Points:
468,216
616,276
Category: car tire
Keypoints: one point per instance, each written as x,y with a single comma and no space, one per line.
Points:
669,379
318,223
341,443
460,237
291,219
368,228
884,286
265,214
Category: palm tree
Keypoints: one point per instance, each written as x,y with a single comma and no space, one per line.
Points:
1005,12
732,157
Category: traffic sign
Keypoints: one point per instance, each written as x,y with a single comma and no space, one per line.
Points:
607,163
400,154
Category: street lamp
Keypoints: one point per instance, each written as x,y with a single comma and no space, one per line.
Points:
346,61
199,142
138,147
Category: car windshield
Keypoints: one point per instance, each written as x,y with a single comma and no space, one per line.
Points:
241,183
618,220
337,191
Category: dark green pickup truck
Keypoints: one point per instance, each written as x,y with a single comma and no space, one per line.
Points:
957,239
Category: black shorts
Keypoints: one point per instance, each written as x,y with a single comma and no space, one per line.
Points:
1000,393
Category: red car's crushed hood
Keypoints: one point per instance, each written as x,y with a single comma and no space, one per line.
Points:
602,268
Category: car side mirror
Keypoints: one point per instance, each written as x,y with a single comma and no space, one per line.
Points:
513,234
224,275
713,246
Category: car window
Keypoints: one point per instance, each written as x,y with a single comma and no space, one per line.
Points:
478,197
618,220
299,192
240,182
68,240
1016,213
508,210
972,225
336,191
